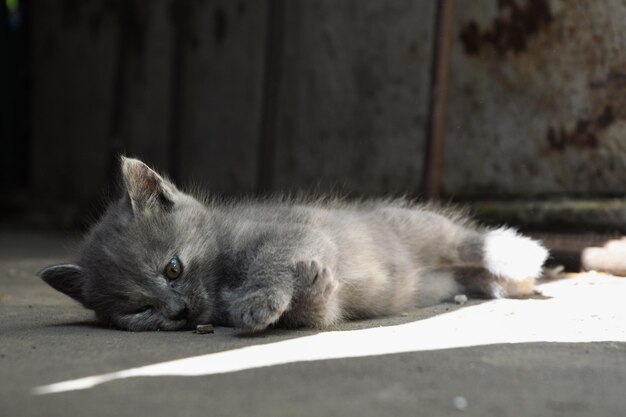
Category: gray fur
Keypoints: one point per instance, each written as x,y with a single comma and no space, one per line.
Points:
252,264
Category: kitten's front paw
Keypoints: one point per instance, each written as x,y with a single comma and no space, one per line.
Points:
259,309
319,282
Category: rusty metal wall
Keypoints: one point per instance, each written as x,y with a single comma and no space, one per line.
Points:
537,99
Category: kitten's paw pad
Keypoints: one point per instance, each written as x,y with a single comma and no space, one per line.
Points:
320,280
259,309
514,257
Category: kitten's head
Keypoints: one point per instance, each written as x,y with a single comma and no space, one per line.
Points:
147,264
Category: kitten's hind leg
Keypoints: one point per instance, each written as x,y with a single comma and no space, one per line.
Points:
315,304
442,284
318,282
481,283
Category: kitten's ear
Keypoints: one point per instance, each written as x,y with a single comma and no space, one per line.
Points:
66,278
146,188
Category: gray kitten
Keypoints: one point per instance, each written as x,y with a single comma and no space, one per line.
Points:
162,259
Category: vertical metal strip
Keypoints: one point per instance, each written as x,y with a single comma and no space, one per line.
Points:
438,101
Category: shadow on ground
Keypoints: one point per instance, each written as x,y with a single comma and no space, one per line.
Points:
567,357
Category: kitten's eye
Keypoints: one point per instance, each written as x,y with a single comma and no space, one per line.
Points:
174,268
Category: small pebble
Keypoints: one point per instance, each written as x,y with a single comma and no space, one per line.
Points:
460,403
404,314
205,329
460,299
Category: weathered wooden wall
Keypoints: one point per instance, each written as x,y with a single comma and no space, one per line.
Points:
537,99
176,83
73,68
353,102
4,88
13,106
191,87
222,94
245,95
142,103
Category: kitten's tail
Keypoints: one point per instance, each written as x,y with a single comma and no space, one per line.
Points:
511,256
507,266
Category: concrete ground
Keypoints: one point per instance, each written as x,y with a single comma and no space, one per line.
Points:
564,355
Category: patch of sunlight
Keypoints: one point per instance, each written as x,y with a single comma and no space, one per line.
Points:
590,308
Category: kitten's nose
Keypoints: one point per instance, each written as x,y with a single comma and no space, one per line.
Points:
182,314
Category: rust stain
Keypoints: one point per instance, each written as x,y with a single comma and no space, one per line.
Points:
614,79
511,30
606,118
584,135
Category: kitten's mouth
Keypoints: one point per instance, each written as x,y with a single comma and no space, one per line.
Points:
188,323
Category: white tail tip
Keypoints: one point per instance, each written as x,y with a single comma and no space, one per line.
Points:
512,256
